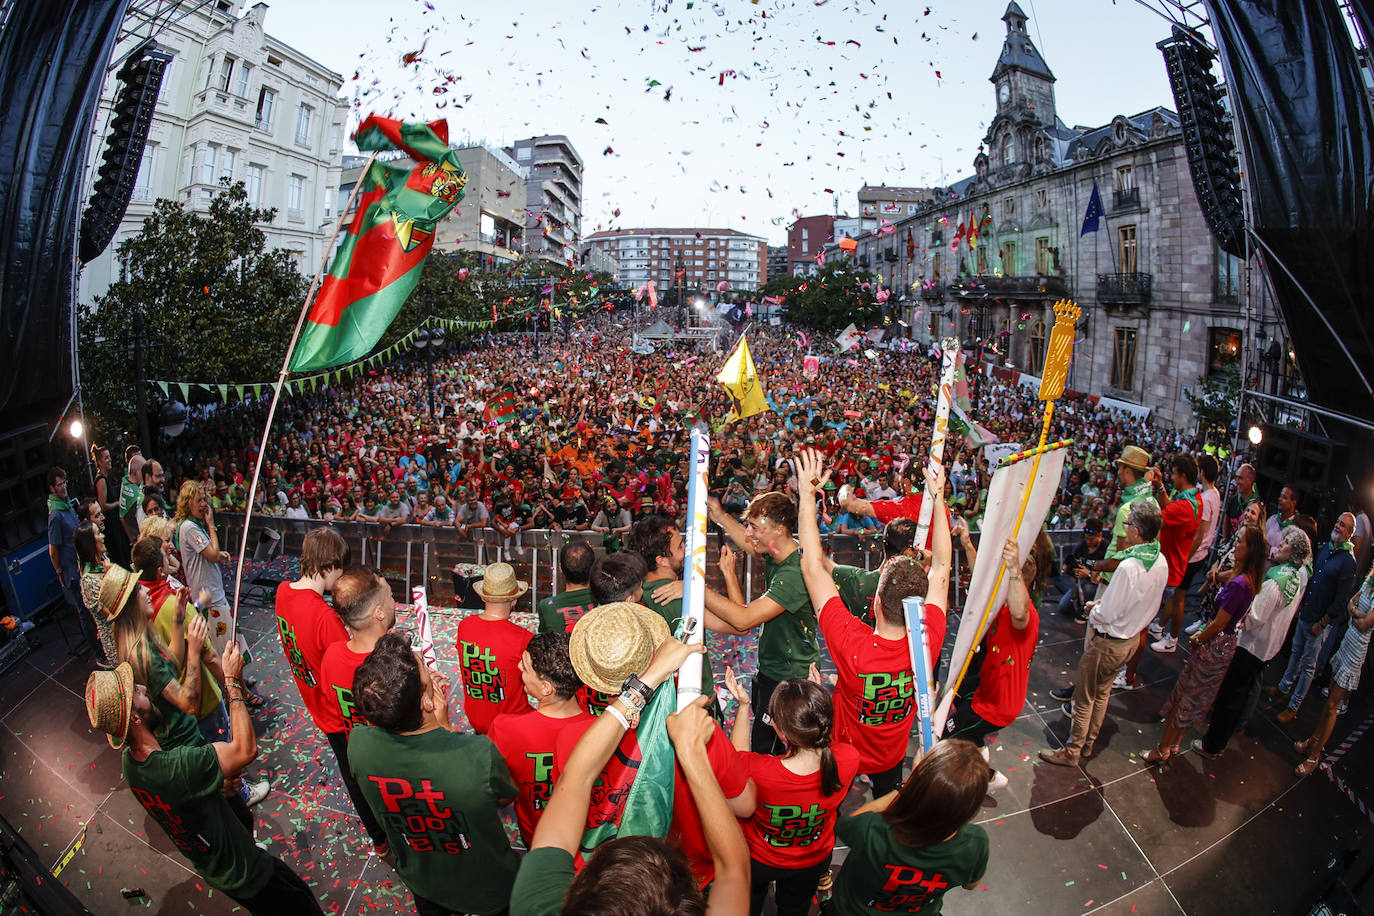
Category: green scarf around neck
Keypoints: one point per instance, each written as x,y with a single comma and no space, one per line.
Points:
1146,553
1285,575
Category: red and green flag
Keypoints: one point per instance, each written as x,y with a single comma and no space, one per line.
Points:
380,259
500,409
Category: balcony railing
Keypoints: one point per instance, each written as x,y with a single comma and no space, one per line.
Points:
1124,289
1048,286
1126,198
932,292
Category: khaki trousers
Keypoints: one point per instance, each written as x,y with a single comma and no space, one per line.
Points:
1102,661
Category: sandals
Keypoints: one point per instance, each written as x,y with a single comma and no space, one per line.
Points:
1301,746
254,699
1307,766
1154,756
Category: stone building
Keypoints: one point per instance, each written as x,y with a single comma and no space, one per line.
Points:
1161,302
235,103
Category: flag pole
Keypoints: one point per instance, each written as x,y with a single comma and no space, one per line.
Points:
691,674
949,361
276,391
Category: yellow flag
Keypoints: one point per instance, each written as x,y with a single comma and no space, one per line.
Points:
741,381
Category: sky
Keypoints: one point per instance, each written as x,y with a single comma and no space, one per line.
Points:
740,114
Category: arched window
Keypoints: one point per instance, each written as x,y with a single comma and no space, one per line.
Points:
1035,361
1008,149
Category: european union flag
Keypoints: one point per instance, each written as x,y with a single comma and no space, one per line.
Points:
1093,214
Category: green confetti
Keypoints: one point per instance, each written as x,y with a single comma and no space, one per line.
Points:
1186,326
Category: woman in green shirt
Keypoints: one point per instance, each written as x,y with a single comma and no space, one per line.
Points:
910,846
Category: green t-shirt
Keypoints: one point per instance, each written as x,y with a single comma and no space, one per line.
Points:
881,875
129,496
436,795
671,612
180,788
545,874
178,729
857,588
558,613
1141,489
787,644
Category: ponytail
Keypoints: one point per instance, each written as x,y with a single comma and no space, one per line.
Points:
803,712
830,771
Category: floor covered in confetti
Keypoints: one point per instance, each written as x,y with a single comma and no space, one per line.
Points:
1240,834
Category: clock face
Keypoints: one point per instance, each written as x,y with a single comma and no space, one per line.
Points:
1004,93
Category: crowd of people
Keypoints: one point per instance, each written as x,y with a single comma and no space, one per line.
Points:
569,723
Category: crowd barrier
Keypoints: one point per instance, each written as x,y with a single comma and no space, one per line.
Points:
446,563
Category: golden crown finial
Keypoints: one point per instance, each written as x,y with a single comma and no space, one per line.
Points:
1067,310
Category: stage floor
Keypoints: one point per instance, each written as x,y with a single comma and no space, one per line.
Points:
1239,834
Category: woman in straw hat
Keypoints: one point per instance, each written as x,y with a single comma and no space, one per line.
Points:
490,648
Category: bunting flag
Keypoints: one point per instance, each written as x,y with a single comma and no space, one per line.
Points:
1093,214
500,408
741,382
380,259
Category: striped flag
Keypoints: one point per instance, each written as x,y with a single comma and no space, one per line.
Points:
500,408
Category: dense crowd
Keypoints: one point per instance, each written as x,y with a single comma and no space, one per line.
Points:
569,724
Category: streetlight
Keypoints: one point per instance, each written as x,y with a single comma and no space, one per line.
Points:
680,274
1256,435
427,340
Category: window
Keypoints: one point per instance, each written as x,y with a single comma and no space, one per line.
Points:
1008,206
226,73
1125,180
523,153
304,114
1223,349
241,84
935,267
335,136
1008,149
207,163
806,240
255,176
1123,359
295,198
143,185
1042,255
227,170
1126,235
1035,355
982,260
1009,259
1042,198
266,99
1228,275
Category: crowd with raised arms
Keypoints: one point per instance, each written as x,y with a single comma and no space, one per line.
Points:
562,717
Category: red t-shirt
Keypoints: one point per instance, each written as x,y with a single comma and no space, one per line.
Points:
489,654
1002,679
793,825
1181,521
337,671
885,510
527,742
307,626
685,829
875,690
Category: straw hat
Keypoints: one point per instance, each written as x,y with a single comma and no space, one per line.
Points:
115,588
498,584
1134,457
110,702
613,641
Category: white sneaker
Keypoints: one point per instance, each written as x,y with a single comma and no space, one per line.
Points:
998,781
1156,631
1120,681
1167,644
257,792
1194,627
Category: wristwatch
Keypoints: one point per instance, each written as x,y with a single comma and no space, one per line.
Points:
635,692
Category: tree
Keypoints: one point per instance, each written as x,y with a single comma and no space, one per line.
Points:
1215,405
217,306
833,297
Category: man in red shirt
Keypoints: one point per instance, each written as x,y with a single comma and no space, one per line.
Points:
1182,512
528,740
875,689
490,648
364,603
885,510
1000,691
305,623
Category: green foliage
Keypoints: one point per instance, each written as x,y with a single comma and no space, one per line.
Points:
217,305
1215,403
832,297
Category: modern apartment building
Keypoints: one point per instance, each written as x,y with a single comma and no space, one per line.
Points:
700,258
553,195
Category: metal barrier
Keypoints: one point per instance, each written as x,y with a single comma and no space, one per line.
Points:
413,555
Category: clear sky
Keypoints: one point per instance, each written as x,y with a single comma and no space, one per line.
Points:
730,113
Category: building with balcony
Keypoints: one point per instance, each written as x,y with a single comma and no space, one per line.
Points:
698,259
235,103
553,195
1161,302
805,239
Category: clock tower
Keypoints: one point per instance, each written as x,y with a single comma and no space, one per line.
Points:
1024,87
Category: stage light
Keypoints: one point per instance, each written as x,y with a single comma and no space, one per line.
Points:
76,429
1256,435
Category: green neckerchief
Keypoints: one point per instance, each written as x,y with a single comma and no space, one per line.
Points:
1146,553
1348,546
58,505
1286,577
1191,494
176,532
91,568
1138,490
1284,523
